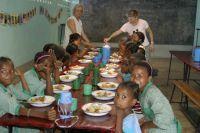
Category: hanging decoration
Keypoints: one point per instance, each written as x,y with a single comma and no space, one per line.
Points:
17,19
51,19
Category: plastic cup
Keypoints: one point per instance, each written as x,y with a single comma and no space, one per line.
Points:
86,71
87,89
95,80
82,78
74,104
76,84
96,72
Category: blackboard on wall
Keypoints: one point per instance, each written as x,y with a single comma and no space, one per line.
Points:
172,21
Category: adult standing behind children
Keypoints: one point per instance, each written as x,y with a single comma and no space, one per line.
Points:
74,25
136,24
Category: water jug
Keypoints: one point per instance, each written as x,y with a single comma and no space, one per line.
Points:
196,54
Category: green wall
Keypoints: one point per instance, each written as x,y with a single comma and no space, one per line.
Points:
21,42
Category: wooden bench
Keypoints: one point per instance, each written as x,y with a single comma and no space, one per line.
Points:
187,91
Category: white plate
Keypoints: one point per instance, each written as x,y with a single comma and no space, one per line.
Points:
114,60
103,109
107,85
59,88
77,67
89,57
93,53
103,94
68,78
47,101
84,61
112,65
73,72
107,75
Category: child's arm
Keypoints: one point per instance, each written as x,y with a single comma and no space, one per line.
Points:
146,125
50,114
119,121
49,88
56,73
22,79
83,52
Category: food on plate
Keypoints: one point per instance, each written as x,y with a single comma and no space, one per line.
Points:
103,94
108,85
38,99
95,108
59,87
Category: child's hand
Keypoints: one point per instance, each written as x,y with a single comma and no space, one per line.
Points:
52,54
51,114
144,128
19,73
47,70
142,121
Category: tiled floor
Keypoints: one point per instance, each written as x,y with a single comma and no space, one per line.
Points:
176,72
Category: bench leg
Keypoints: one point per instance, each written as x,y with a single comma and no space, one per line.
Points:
10,129
181,97
170,62
172,93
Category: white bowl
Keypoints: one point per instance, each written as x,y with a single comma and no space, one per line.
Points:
105,109
100,85
68,78
99,94
62,88
77,67
48,100
73,72
85,61
107,75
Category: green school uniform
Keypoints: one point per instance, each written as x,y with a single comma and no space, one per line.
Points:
157,108
35,83
9,104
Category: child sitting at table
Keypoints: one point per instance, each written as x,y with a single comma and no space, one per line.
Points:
128,64
73,47
125,99
8,101
43,73
159,116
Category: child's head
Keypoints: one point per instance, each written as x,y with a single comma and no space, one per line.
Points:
6,71
41,60
75,38
131,48
138,37
72,49
49,46
141,73
66,59
141,50
125,66
125,97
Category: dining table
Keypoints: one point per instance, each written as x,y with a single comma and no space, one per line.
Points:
102,124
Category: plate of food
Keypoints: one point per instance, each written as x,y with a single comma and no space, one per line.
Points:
73,72
59,88
41,101
109,74
108,85
89,57
112,65
85,61
114,60
77,67
103,94
93,52
96,109
68,78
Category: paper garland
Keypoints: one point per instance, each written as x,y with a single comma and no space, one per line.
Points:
16,19
45,12
23,18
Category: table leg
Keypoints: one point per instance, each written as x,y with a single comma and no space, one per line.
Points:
188,76
169,69
10,129
50,130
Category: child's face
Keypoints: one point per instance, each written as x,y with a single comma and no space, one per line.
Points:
135,37
123,99
6,74
133,20
47,62
140,76
78,42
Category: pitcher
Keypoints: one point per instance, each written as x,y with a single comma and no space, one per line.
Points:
64,105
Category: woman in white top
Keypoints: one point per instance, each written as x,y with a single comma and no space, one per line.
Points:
135,24
74,25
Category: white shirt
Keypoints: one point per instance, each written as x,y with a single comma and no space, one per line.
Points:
141,26
79,29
